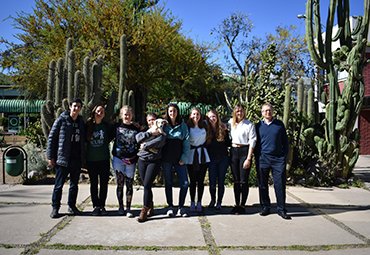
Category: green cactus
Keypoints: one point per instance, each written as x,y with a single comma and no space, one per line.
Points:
122,71
68,82
59,83
287,102
343,108
300,96
71,72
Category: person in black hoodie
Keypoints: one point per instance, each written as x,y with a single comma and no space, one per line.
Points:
150,153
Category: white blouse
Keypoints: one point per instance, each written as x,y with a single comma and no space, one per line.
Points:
197,137
244,133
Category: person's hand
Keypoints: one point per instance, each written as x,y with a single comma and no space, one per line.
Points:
247,163
181,163
142,146
52,162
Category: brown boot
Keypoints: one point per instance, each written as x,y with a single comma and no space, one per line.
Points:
151,210
143,214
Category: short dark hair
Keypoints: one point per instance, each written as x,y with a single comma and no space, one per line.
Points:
152,114
75,100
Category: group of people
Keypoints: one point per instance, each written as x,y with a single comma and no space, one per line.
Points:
189,149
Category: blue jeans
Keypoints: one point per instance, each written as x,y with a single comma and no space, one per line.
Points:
217,171
182,175
61,173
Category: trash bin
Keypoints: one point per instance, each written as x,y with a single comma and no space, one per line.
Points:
14,162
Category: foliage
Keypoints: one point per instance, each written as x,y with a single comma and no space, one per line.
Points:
292,52
3,121
158,55
4,80
35,134
37,162
259,90
291,49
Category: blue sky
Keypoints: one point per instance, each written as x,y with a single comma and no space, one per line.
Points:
200,16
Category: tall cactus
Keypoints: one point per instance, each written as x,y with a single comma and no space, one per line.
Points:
342,109
68,85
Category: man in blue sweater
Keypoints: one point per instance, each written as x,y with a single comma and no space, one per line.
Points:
271,152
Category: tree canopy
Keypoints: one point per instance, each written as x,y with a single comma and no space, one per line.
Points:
291,48
160,60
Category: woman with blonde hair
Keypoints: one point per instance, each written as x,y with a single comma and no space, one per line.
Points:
217,142
244,138
125,157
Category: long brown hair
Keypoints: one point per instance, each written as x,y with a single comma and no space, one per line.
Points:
233,122
91,122
219,132
178,117
190,121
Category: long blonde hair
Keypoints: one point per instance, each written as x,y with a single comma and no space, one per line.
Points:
219,132
234,122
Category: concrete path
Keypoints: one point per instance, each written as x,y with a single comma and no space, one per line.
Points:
324,221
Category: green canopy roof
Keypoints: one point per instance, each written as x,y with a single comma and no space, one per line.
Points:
17,106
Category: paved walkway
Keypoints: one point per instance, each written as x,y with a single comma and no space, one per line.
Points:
324,221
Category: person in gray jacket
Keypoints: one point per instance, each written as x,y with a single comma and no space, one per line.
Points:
65,151
150,153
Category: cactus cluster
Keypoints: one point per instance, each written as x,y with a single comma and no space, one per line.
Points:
342,109
64,83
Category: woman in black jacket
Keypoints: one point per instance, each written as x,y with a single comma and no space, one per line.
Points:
150,153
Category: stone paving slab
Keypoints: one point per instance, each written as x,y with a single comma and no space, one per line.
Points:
23,224
115,230
140,252
39,194
287,252
332,195
11,251
357,218
305,228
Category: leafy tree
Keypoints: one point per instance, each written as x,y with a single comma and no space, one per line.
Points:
4,80
158,55
291,49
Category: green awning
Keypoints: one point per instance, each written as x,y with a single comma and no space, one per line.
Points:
17,106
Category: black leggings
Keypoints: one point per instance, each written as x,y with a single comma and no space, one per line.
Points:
241,176
98,170
148,170
197,179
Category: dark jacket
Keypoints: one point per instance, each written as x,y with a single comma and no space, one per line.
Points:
59,140
152,146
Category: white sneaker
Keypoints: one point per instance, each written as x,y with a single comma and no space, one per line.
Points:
129,214
181,213
170,212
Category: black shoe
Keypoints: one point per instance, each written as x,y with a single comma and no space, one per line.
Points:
235,209
73,210
240,210
103,211
96,211
54,213
265,212
284,215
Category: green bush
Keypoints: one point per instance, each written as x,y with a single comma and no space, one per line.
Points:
35,134
37,162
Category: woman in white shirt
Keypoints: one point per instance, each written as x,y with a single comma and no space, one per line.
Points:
243,135
197,162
